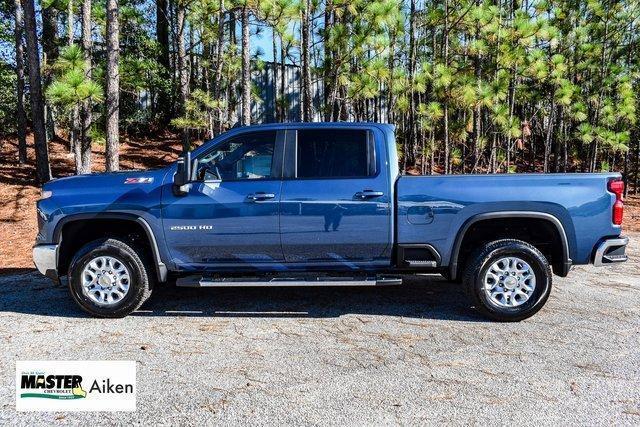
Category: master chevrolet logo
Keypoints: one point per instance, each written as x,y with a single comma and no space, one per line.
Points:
83,385
52,386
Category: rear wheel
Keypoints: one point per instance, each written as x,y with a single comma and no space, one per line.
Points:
108,278
508,280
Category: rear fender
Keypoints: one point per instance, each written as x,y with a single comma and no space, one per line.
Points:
566,259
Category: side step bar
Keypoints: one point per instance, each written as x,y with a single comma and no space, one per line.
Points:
227,282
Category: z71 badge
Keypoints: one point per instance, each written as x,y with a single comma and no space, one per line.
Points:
146,180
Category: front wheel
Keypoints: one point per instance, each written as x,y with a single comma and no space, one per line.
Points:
107,278
508,280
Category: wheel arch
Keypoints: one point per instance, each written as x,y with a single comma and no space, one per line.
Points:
564,265
159,266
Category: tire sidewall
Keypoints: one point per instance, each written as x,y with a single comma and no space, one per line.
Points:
539,295
136,283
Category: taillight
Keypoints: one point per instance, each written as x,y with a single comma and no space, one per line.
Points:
617,188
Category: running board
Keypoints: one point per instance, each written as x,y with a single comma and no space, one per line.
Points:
229,282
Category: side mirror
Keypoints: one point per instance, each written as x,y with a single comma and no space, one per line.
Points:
182,177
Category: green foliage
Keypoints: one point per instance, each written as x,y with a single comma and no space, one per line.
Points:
71,87
502,74
8,99
197,111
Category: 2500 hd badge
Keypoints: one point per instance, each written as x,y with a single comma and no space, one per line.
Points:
190,227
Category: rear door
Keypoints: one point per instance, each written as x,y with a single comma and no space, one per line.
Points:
335,203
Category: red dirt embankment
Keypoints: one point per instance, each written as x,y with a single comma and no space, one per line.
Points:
18,191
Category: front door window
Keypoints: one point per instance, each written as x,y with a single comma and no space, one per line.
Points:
248,156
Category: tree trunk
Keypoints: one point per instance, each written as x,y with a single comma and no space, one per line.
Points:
306,66
83,160
162,37
230,89
75,113
409,158
625,173
183,71
162,32
246,69
477,110
603,64
192,66
43,169
447,148
327,62
217,83
283,77
391,65
274,81
113,87
636,186
205,75
70,22
21,115
549,137
556,154
173,62
50,51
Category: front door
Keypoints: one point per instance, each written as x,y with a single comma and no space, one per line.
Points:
335,204
229,218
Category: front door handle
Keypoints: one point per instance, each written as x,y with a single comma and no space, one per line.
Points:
255,197
368,194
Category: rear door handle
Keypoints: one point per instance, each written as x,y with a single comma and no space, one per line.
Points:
255,197
368,194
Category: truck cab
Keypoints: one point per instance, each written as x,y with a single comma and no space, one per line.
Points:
307,204
304,197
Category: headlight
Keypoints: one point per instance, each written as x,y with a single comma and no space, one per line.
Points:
45,194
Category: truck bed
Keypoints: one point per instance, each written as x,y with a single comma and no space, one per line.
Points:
435,208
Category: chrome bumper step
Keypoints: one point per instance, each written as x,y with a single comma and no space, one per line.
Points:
611,251
229,282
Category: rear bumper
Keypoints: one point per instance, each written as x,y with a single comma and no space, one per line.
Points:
45,257
611,251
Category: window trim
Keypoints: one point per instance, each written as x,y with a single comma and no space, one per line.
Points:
276,160
290,170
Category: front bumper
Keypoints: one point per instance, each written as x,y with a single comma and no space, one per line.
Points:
610,251
45,257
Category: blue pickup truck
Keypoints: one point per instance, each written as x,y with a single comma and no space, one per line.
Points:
321,204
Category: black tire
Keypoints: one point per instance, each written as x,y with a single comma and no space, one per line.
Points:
481,260
140,283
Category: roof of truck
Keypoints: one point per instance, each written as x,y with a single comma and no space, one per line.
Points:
314,124
385,128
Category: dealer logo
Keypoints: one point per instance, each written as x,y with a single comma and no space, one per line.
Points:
52,386
80,385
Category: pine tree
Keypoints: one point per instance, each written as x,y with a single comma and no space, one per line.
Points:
112,155
21,116
43,168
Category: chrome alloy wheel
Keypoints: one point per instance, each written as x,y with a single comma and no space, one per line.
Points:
509,282
105,280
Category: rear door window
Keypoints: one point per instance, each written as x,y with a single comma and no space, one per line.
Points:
333,153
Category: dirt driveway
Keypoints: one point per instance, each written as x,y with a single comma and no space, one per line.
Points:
409,355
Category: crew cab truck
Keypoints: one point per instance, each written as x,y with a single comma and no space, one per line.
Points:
321,204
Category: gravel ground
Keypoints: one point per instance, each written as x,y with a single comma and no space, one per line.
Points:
410,355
